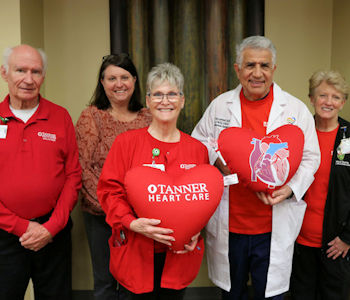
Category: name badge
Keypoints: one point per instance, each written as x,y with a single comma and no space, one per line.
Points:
3,131
344,147
230,179
156,166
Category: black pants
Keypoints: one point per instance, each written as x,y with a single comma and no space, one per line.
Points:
98,233
158,292
316,277
49,268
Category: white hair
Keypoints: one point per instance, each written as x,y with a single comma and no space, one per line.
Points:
255,42
8,51
165,72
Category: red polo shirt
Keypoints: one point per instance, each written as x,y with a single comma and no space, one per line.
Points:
39,168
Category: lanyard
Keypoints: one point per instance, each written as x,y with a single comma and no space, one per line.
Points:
344,128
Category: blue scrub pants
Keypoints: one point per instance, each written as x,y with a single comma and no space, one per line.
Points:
248,254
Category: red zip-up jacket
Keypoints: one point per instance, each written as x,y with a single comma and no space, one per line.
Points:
131,261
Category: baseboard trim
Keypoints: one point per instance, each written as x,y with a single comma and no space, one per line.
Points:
203,293
192,293
82,295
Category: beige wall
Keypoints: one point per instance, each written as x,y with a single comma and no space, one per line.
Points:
21,22
340,59
32,26
302,33
10,31
309,35
32,23
76,37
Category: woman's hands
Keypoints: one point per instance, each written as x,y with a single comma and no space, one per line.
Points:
337,248
149,228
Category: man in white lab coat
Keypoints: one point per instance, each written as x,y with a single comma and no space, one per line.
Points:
254,233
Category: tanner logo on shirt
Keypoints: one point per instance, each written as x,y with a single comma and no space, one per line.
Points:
187,166
47,136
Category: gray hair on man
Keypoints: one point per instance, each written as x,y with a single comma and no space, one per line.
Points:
165,72
255,42
8,51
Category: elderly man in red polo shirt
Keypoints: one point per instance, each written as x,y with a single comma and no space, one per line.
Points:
40,179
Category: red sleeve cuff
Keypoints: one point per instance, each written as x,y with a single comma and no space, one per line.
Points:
52,227
127,219
20,227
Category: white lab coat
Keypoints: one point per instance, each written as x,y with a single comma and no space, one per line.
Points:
287,216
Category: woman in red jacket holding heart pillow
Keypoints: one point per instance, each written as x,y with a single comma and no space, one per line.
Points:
141,256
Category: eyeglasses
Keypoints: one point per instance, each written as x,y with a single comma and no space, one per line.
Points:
158,97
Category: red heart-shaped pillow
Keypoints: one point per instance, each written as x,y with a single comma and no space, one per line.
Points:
262,162
183,204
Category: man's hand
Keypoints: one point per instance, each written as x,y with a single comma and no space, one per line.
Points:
222,168
36,237
149,228
337,248
190,246
277,196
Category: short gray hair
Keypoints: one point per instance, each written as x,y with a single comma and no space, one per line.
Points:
8,51
255,42
333,78
165,72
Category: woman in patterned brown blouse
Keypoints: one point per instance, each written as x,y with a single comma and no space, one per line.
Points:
114,108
